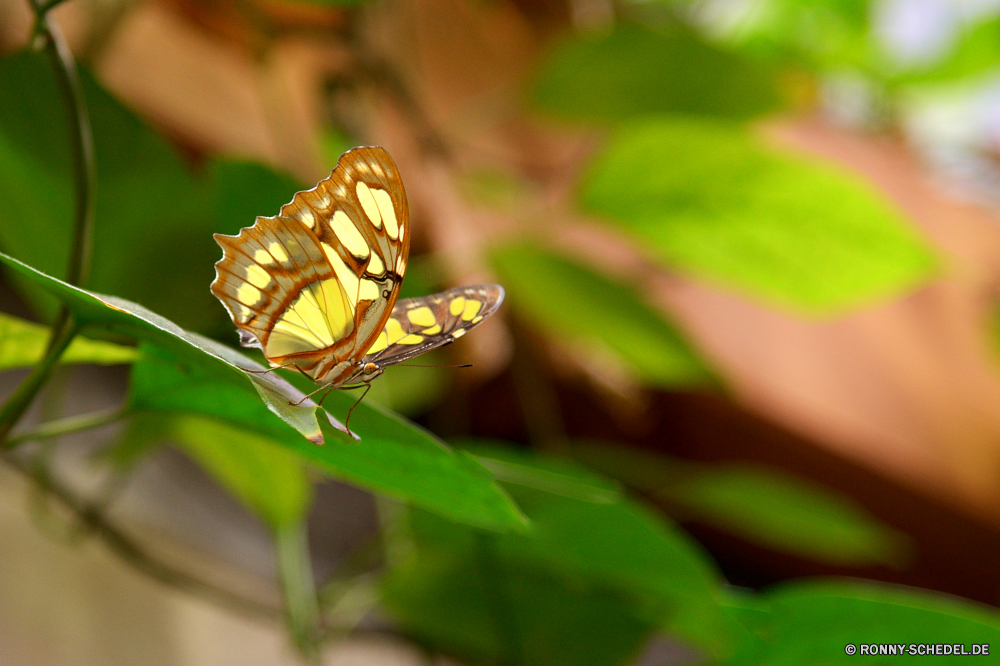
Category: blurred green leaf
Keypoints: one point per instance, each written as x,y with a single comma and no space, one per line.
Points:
762,505
227,366
395,457
243,190
612,544
410,391
812,622
571,302
709,200
470,603
152,220
268,478
551,475
635,70
22,343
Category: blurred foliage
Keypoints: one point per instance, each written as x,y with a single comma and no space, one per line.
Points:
763,506
635,70
23,343
709,200
572,302
508,556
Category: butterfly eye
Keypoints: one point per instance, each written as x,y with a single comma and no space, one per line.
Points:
371,369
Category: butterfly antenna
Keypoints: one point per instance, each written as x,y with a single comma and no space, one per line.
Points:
414,365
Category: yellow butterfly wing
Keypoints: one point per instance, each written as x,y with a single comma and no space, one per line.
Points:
315,285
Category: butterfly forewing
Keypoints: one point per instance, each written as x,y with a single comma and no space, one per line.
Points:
418,325
315,285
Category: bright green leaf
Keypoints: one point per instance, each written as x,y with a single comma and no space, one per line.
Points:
635,71
394,457
267,477
572,302
761,505
22,343
709,200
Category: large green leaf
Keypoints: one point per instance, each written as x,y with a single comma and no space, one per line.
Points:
709,200
23,343
611,544
761,505
394,457
635,70
471,603
813,622
267,477
572,302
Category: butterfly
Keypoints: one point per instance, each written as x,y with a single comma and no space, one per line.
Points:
315,287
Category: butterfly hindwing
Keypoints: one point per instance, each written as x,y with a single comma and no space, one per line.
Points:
418,325
315,285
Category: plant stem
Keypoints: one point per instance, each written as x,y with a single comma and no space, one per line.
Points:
64,329
70,424
19,402
81,142
299,586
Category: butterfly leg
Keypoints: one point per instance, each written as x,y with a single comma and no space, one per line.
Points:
277,367
327,387
348,419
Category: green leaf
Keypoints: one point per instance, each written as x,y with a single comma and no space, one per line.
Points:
707,199
571,302
265,476
395,457
635,70
226,365
483,609
812,622
23,343
553,476
761,505
610,544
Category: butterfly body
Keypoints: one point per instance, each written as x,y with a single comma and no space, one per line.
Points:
315,287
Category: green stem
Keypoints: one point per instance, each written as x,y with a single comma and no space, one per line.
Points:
299,587
70,424
82,147
22,398
81,142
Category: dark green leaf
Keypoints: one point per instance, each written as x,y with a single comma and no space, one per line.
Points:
812,622
612,544
763,506
634,71
571,302
473,604
709,200
23,343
